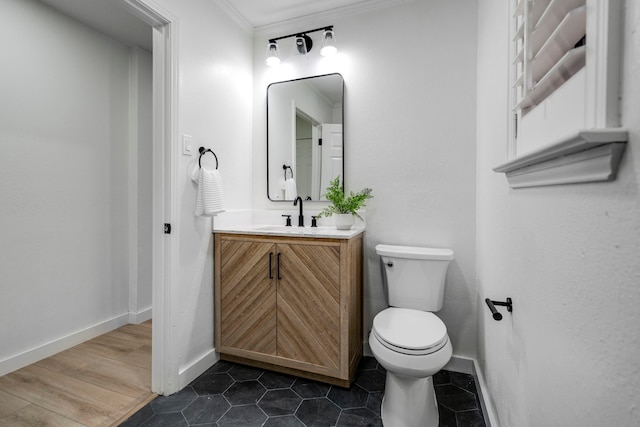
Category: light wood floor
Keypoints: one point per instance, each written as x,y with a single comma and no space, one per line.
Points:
97,383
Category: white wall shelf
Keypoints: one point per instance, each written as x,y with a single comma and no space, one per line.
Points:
587,156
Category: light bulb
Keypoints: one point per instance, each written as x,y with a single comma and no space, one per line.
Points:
302,45
273,54
328,43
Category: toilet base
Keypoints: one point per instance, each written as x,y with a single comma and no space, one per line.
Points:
409,402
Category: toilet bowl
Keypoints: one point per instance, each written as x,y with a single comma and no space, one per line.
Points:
412,346
411,343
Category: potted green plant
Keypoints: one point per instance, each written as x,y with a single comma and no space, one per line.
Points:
344,208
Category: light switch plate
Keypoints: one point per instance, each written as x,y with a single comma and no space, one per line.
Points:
186,145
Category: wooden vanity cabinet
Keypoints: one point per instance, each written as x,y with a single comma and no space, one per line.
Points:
290,304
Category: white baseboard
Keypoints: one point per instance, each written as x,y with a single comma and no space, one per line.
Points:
486,403
196,368
141,316
366,349
460,364
35,354
470,366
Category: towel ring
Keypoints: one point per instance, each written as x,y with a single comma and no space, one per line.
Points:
285,167
202,151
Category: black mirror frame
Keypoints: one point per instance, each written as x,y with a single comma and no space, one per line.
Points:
343,132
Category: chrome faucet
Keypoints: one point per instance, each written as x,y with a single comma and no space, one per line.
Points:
301,216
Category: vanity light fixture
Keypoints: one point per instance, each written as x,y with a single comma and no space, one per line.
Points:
303,45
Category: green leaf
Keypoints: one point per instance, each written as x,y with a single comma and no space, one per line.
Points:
341,204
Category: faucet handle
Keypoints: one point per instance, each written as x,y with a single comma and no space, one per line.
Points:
288,224
314,221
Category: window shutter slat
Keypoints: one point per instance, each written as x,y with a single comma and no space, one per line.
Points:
562,40
546,51
519,8
555,12
572,62
537,9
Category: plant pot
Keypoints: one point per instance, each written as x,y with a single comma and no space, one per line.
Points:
344,221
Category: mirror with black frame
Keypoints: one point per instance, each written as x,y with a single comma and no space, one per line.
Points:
305,145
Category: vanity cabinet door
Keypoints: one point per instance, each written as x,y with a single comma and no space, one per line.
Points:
292,305
247,289
308,302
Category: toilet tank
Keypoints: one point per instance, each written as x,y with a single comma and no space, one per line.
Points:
414,277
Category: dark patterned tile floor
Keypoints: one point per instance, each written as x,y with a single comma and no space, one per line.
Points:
230,394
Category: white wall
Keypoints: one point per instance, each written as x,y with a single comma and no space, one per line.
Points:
409,134
140,183
567,255
64,176
214,107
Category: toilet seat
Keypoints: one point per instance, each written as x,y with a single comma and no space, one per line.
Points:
411,332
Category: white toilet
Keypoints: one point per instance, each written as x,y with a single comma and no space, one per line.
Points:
407,339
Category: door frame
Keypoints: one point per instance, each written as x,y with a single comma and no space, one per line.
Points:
164,353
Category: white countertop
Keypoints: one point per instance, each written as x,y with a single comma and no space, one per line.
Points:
328,232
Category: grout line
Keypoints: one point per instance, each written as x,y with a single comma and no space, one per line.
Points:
296,413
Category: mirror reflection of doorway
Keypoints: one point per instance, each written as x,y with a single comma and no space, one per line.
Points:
318,155
305,128
332,155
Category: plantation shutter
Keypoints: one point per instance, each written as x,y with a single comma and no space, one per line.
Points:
550,40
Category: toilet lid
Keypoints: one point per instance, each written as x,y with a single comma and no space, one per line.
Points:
410,331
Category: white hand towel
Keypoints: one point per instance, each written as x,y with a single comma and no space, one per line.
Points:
209,200
290,190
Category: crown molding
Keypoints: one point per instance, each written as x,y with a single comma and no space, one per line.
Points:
294,23
233,13
328,15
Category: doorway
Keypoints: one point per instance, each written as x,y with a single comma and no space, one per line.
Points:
47,240
70,230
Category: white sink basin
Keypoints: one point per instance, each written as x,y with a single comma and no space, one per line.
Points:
285,229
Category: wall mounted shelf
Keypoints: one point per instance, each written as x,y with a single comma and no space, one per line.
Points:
588,156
